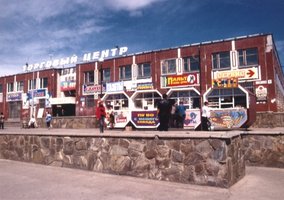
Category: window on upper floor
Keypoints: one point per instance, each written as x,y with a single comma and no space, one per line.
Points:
191,64
32,84
106,75
168,66
144,70
125,72
43,82
89,77
248,57
20,86
10,87
221,60
1,88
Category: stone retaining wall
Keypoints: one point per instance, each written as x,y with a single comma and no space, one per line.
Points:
203,161
264,150
269,120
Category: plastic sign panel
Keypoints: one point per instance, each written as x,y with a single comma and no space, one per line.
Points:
192,118
68,85
225,83
145,86
16,96
145,119
115,87
228,118
92,89
121,118
180,80
241,74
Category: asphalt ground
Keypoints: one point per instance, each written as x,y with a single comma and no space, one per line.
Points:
28,181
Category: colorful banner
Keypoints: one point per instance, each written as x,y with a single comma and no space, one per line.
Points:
67,85
225,83
145,119
180,80
228,118
37,94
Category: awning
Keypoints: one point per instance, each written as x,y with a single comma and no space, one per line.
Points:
62,100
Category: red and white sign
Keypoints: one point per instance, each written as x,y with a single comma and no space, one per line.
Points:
180,80
241,74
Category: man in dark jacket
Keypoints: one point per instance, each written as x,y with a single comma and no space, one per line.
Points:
164,112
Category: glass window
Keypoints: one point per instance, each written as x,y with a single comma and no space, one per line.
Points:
10,87
191,64
125,72
89,77
144,70
106,75
227,98
43,83
32,84
189,98
221,60
248,57
20,86
168,66
90,101
1,88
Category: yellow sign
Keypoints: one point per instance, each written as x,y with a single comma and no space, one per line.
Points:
225,83
248,73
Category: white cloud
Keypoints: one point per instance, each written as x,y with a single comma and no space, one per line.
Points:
32,30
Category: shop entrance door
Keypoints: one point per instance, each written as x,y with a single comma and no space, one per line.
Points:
14,109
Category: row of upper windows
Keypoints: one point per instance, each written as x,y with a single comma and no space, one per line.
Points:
221,60
19,86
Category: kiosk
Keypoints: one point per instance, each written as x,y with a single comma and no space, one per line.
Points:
117,102
144,108
231,107
191,100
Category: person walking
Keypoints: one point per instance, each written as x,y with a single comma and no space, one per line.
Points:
48,119
164,112
101,114
2,117
205,117
181,114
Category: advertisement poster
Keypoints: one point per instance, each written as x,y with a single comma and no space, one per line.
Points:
145,119
121,118
229,118
192,119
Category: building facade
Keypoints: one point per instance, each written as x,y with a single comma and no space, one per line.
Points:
224,72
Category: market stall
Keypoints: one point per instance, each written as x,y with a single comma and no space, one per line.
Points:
144,108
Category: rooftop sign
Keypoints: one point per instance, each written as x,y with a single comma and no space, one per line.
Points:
87,57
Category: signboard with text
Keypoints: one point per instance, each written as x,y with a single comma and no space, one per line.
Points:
180,80
17,96
241,74
145,119
92,89
67,85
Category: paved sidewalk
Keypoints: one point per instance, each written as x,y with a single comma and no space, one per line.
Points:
26,181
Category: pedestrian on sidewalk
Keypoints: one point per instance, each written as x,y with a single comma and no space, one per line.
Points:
48,119
101,114
2,117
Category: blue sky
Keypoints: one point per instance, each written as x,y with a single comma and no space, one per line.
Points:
36,30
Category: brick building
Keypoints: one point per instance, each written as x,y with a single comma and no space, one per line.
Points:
223,72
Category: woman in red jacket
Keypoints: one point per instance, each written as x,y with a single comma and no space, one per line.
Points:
101,114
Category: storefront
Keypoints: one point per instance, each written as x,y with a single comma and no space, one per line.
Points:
190,98
144,106
14,100
232,106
